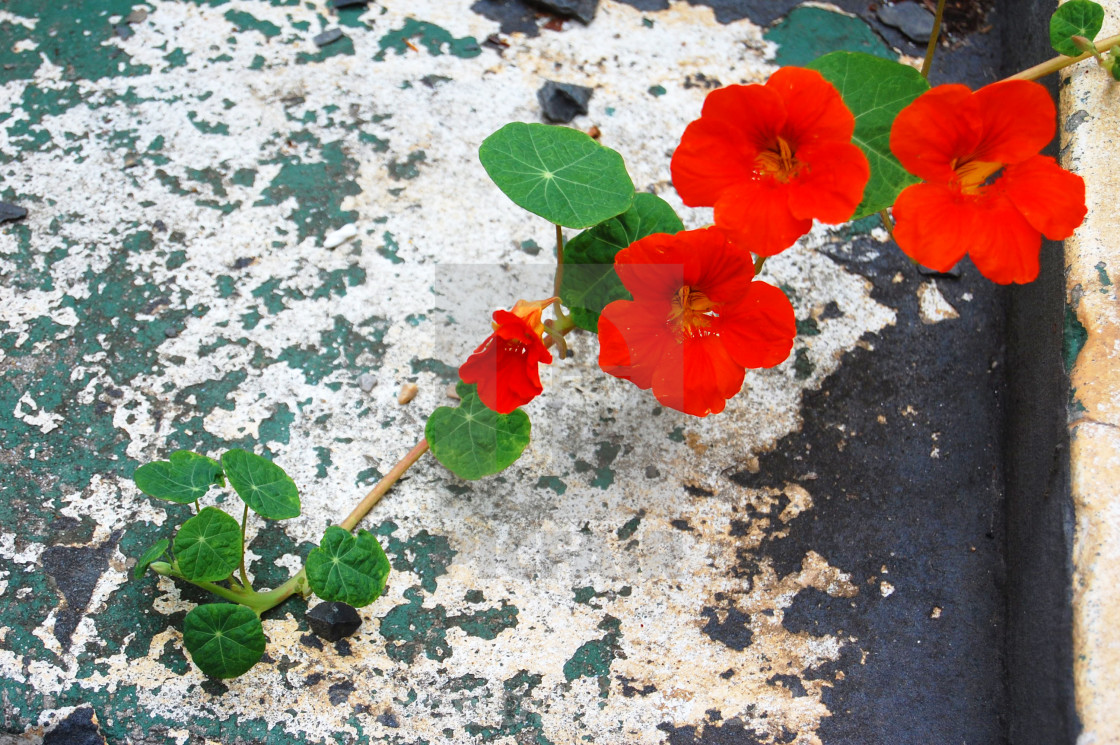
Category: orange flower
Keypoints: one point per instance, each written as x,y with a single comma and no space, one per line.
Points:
771,158
988,192
696,321
505,365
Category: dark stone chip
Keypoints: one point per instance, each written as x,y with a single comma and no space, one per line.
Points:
348,3
389,720
562,102
583,10
80,728
123,30
11,212
333,621
953,273
909,18
159,226
329,36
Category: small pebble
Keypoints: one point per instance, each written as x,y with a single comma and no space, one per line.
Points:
910,18
137,16
329,36
333,621
452,391
366,382
562,102
340,236
408,392
123,30
348,3
584,10
11,212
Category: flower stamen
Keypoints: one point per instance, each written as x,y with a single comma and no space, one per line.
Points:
778,161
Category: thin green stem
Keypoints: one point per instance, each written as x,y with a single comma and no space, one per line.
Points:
559,261
196,509
887,223
382,486
259,602
934,35
1061,62
244,521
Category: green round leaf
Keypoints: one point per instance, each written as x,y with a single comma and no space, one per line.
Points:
262,484
473,441
875,90
183,479
589,282
155,552
1074,18
348,568
208,546
224,640
558,173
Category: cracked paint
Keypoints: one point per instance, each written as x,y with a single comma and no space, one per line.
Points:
170,288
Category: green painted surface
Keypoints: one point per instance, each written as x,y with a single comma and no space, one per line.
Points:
808,32
1074,337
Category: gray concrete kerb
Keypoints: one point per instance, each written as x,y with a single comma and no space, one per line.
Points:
1090,121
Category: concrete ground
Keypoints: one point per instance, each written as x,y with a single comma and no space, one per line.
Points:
822,563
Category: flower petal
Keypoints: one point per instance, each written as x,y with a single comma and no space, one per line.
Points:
652,268
715,266
1050,198
940,126
814,108
1005,247
1017,120
934,224
759,331
757,217
633,338
830,184
698,377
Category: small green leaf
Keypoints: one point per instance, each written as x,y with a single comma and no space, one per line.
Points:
262,484
1075,18
183,479
155,552
473,441
875,90
208,546
348,568
225,640
589,281
558,173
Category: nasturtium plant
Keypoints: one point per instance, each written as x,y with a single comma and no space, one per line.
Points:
590,282
875,89
348,568
558,173
154,553
693,315
184,478
208,546
225,640
472,441
1082,18
262,484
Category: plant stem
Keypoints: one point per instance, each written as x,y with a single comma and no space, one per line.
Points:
557,308
1060,62
378,491
259,602
758,264
887,223
933,37
244,521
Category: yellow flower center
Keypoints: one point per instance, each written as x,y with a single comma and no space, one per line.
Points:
778,161
973,174
692,312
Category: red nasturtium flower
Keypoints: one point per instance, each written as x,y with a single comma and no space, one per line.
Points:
771,158
696,321
505,365
987,191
